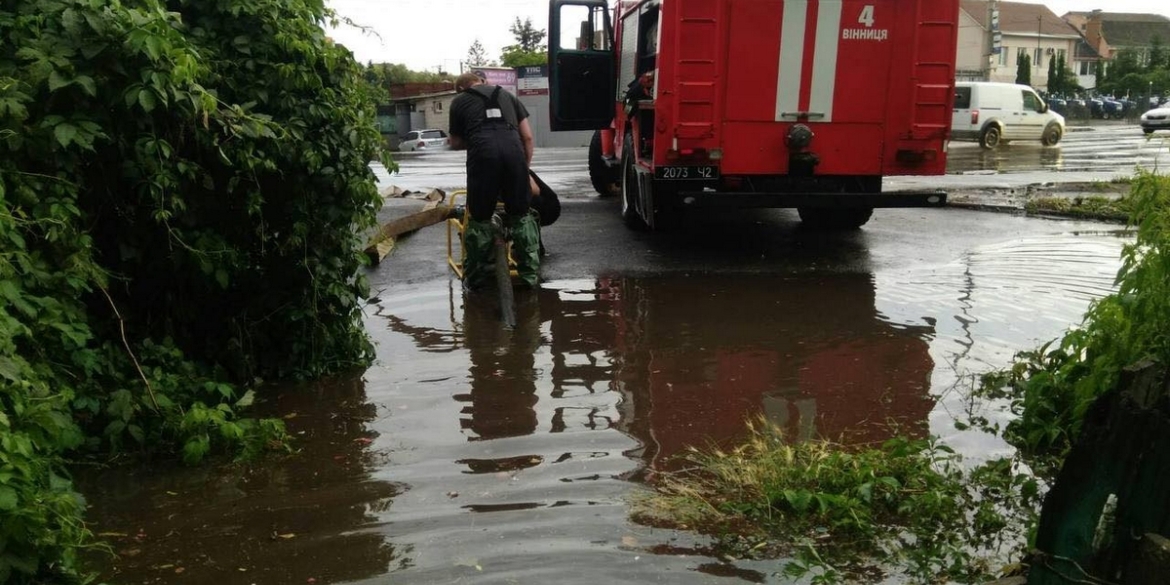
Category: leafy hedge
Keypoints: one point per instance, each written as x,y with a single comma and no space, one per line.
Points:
181,188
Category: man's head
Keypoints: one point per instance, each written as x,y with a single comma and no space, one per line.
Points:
467,80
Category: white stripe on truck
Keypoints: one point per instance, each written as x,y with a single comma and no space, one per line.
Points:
824,82
791,57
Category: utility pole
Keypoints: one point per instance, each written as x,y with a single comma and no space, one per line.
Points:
997,48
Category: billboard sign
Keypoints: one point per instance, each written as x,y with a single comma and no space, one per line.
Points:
504,77
532,80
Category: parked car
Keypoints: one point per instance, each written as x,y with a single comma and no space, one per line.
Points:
1156,119
423,140
993,113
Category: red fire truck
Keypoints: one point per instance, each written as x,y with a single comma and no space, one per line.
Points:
804,104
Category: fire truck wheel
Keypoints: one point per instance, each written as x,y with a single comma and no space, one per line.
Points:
605,180
991,137
629,189
834,219
1052,135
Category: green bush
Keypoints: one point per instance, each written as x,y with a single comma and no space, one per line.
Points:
182,185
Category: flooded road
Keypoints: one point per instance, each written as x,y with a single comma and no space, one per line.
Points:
1102,149
469,454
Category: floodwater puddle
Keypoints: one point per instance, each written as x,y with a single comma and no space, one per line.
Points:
469,453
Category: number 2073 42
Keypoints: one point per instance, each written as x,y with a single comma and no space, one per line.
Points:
687,173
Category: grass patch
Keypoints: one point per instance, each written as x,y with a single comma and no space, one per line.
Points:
848,513
1096,208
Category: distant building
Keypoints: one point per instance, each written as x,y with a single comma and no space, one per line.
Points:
1110,32
1030,29
423,112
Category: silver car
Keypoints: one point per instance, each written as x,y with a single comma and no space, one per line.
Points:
1156,119
424,140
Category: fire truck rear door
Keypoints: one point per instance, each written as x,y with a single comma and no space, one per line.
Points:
826,61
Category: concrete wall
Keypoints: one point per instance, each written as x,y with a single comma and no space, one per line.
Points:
973,41
538,110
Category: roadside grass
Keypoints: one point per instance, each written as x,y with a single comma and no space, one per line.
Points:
1091,207
843,513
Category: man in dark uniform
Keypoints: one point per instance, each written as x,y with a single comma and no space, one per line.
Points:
492,125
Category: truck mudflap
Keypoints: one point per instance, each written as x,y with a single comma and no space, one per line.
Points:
708,199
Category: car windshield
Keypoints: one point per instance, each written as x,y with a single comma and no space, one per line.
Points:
433,134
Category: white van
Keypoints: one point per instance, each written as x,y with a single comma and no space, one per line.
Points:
994,113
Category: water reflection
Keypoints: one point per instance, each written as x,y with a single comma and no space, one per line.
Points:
502,376
313,515
692,359
966,158
698,357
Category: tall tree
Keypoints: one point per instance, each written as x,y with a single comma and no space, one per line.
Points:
528,37
1053,83
1159,59
529,48
477,55
1024,68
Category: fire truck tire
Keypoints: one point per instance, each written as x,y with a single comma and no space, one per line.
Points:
834,219
605,179
629,190
991,137
1052,135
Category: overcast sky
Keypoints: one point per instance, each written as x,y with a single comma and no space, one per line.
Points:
428,34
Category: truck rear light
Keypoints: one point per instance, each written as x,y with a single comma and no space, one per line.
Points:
716,154
974,117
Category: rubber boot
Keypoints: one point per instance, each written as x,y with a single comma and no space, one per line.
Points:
478,239
526,248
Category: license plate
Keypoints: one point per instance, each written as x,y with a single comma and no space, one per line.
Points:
687,173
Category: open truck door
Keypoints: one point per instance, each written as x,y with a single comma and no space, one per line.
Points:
582,91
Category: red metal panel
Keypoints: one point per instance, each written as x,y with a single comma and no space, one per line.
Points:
757,148
753,60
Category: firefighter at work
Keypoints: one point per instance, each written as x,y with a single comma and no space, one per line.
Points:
492,125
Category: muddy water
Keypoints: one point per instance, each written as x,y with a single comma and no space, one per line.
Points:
470,454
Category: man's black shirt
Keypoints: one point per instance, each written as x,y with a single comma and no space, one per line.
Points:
468,111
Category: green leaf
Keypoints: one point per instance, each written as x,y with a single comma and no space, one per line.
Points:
246,400
9,370
57,81
8,500
65,133
798,499
87,85
147,100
